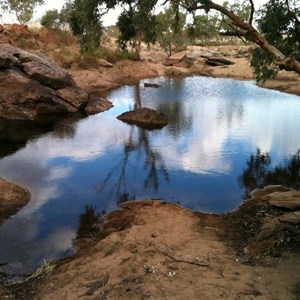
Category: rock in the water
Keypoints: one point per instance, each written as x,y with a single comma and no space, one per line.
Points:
31,85
145,117
12,198
289,200
96,105
154,85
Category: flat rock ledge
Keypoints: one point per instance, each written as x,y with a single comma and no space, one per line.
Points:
12,198
31,85
145,117
179,60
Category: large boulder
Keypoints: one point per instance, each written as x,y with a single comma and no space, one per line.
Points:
145,117
23,98
31,85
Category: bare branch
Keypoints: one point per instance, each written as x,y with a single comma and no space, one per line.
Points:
205,265
292,14
251,12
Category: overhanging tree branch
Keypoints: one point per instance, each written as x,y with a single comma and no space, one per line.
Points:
284,62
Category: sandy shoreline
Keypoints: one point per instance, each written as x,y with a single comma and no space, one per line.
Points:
130,72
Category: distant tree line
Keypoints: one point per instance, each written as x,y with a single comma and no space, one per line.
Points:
274,28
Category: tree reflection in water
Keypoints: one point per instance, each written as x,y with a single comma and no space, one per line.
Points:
138,143
179,122
87,223
259,172
138,146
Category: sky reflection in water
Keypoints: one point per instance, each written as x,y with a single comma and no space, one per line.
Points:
215,125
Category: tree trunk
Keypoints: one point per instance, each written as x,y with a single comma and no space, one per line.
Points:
137,47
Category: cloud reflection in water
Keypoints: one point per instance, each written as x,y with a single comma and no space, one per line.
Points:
215,126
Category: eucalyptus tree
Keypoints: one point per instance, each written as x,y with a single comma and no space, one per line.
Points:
171,29
51,19
56,19
22,9
84,17
204,28
279,21
239,8
137,24
281,57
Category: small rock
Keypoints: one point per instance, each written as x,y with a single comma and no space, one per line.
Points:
104,63
154,85
291,218
12,197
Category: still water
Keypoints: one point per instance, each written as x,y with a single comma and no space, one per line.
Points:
201,160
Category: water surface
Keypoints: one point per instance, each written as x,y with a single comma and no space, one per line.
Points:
201,160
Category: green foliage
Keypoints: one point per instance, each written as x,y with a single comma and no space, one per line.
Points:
137,24
280,24
54,19
23,9
239,8
67,57
278,20
127,28
112,32
88,222
261,172
50,19
263,64
85,23
170,29
204,28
